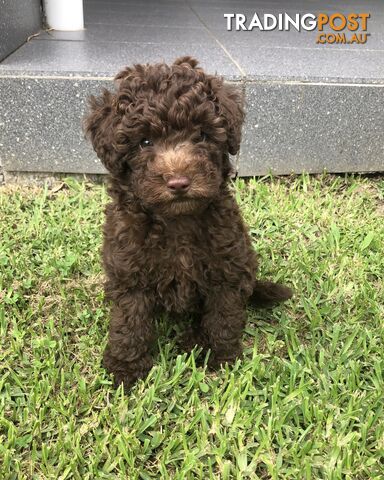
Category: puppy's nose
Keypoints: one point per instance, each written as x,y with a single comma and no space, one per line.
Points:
178,184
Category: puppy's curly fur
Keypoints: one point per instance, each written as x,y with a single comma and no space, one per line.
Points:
174,239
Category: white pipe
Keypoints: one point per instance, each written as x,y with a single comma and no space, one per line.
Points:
64,14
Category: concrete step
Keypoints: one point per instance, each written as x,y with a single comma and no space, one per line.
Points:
310,107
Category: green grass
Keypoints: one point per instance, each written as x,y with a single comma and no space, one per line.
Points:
306,402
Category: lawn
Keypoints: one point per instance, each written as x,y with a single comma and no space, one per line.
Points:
306,402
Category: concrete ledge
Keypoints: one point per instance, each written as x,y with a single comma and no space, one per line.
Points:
312,127
290,126
43,121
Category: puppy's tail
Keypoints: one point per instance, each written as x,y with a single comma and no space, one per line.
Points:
267,294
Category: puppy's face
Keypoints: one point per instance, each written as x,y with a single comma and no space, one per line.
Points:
177,173
167,133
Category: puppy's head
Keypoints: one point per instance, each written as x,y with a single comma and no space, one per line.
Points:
166,134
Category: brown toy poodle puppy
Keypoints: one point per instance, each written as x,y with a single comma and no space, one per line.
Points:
174,239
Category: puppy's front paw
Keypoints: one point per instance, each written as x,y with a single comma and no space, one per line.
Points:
191,339
123,378
126,373
218,359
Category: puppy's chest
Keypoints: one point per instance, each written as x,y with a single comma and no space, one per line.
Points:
181,255
176,266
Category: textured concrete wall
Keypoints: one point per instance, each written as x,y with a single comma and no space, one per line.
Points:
290,127
43,124
312,127
18,20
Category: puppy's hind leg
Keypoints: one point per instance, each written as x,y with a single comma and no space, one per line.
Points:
268,294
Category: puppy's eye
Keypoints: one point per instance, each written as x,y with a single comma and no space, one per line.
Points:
201,137
145,142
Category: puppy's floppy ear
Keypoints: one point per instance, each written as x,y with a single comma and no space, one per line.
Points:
100,126
231,107
189,60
